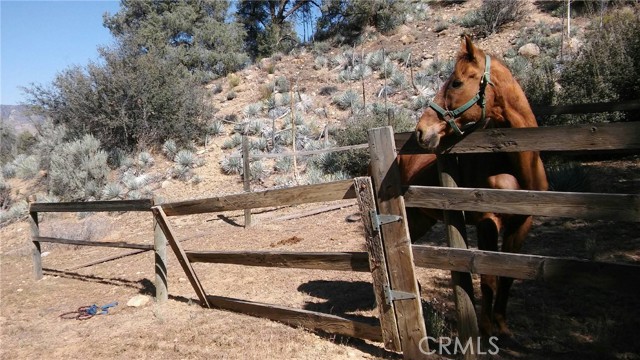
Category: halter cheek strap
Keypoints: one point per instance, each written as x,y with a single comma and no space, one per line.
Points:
450,115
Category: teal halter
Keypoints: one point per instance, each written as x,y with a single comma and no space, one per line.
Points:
450,115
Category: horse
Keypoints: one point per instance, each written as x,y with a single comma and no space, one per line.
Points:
483,94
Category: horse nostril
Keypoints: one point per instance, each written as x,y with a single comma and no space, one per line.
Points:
419,135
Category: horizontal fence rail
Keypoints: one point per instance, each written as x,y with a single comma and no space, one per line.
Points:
332,191
122,245
341,261
528,267
621,207
592,137
93,206
331,324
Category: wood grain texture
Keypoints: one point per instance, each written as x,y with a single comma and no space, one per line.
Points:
591,137
160,266
337,190
397,246
36,251
93,206
161,218
246,177
331,324
341,261
457,238
620,207
529,267
122,245
377,264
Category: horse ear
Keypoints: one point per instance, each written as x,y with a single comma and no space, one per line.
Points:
467,49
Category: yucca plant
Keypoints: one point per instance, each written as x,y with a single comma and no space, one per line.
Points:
252,109
9,170
283,164
231,165
145,159
232,142
170,149
112,191
185,158
258,170
347,100
217,128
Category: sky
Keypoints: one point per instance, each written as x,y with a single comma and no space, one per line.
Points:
39,39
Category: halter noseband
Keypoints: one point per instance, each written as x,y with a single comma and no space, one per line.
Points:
450,115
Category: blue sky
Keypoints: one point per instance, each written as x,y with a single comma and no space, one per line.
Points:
41,38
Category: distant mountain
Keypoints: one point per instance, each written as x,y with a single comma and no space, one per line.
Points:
17,117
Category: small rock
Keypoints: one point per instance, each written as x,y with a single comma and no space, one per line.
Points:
182,279
138,301
407,39
165,184
19,290
529,50
200,152
45,254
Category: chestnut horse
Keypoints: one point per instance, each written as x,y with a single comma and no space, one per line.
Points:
483,94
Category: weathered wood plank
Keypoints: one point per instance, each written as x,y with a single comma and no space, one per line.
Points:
331,324
161,218
457,238
93,243
337,190
341,261
377,264
160,255
246,177
397,245
591,137
97,206
528,267
36,251
105,259
621,207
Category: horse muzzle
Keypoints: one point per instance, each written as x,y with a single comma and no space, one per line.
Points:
428,138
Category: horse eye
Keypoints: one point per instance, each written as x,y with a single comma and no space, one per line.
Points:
456,84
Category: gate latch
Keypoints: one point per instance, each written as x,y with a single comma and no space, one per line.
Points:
377,220
392,295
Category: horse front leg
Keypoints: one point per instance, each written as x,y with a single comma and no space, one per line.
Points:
488,229
515,232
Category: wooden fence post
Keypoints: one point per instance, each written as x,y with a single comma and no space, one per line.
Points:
397,244
36,251
456,237
246,176
377,263
160,247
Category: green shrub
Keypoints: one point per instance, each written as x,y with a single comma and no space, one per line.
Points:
234,80
607,67
217,128
27,167
15,212
76,164
494,14
252,109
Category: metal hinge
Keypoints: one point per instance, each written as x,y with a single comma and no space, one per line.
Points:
393,295
377,220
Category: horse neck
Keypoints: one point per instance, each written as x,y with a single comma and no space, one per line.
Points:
512,106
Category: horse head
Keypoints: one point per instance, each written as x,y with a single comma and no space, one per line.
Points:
468,98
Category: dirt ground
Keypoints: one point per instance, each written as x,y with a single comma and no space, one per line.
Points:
558,322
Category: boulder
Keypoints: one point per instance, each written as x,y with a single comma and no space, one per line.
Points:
529,50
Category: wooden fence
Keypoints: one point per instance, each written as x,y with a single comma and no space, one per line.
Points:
144,205
622,137
390,257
